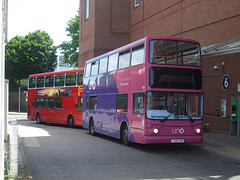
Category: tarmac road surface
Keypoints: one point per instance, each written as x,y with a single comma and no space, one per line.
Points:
53,151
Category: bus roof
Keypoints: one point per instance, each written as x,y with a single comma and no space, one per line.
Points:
135,43
57,73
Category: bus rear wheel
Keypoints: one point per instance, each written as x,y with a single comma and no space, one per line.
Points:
91,127
38,118
124,135
70,122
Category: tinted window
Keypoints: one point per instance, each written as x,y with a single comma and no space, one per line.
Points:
122,103
58,103
59,80
71,79
49,81
175,78
92,102
80,79
32,83
40,82
49,103
39,103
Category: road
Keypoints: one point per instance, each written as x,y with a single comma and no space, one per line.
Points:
57,152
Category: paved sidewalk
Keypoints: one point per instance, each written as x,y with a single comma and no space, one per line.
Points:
222,144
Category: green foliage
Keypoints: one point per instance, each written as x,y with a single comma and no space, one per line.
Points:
70,48
31,54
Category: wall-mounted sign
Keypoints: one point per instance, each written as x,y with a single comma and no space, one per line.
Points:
226,82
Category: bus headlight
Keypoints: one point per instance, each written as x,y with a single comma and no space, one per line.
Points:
198,130
155,130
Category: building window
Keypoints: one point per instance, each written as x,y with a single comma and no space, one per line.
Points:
136,3
87,10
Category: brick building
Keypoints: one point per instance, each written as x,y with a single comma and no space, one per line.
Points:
108,24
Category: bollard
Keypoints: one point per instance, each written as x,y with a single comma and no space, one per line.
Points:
14,150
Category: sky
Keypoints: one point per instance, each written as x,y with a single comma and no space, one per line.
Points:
26,16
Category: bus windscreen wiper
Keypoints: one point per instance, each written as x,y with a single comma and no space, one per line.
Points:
191,119
162,120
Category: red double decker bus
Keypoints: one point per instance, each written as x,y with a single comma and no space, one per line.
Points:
56,97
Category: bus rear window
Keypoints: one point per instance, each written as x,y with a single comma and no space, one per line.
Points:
175,78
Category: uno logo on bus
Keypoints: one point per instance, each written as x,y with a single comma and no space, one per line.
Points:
178,131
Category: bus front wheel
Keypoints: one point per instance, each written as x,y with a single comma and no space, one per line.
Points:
91,127
124,135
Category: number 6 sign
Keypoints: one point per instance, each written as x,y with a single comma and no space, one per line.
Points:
226,82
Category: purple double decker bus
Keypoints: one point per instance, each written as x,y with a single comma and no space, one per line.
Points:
149,91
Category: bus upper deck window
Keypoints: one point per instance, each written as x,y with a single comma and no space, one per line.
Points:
88,70
40,82
59,80
124,59
94,70
137,55
112,64
103,65
32,82
71,79
49,81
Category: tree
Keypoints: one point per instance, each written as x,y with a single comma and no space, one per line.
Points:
70,48
34,53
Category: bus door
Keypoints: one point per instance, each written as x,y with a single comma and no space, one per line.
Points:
32,109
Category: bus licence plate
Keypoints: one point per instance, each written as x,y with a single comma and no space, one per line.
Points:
177,140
